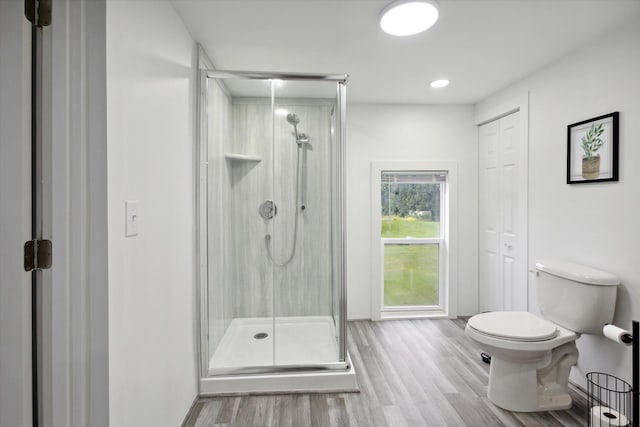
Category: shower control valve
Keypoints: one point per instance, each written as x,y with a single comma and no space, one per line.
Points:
268,209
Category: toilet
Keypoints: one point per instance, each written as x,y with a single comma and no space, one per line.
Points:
531,356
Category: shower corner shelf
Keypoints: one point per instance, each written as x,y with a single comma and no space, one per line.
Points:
242,157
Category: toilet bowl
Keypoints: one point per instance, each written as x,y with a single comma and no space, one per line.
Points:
532,356
531,359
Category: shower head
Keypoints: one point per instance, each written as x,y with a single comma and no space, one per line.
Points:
293,119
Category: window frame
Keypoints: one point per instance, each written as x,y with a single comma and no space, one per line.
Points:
446,307
422,241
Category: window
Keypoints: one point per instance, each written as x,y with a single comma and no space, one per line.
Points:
410,242
411,237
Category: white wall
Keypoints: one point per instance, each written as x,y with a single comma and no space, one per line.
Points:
408,132
150,89
594,224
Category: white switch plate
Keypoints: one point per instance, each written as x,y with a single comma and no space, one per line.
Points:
131,218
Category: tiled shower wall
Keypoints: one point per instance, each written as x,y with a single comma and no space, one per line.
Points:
303,287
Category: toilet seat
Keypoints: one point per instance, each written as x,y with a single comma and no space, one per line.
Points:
500,329
520,326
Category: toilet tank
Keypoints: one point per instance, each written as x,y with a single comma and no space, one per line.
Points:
579,298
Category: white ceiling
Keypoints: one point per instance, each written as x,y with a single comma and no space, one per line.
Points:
480,45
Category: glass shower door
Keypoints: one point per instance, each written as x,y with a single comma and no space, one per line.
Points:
303,264
240,185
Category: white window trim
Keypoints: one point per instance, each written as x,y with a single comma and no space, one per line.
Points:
448,263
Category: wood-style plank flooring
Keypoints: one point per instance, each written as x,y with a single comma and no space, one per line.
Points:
410,372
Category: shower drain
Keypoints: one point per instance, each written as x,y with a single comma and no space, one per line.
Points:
261,335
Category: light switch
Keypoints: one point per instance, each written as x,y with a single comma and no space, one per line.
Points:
132,218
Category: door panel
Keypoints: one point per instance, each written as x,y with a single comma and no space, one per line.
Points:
509,282
490,288
509,180
514,205
15,216
502,208
302,230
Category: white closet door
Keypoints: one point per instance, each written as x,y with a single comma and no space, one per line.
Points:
491,291
502,209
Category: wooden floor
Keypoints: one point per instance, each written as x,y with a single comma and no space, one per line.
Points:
410,373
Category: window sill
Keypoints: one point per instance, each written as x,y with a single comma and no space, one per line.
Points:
413,314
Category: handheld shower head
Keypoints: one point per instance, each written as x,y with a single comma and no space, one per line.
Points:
293,119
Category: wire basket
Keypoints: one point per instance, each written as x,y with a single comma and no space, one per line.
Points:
609,401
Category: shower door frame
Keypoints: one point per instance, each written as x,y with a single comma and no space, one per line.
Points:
205,73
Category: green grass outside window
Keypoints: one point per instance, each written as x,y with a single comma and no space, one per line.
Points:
410,271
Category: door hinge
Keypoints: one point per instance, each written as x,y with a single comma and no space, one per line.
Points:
38,12
37,255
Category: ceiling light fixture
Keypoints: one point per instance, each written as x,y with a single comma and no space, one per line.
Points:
439,83
408,17
276,82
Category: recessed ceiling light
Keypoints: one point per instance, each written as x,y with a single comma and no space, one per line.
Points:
439,83
408,17
276,82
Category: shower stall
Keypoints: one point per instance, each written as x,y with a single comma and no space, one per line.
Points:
271,233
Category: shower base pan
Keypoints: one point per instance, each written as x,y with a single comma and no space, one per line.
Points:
244,361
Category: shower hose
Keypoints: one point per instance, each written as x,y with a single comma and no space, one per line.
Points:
298,209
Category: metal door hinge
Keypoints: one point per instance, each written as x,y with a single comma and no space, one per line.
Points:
38,12
37,255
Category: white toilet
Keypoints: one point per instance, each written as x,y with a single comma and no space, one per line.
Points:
531,357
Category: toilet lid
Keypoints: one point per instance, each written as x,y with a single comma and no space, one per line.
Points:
513,325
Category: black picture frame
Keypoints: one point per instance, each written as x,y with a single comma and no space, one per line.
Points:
586,165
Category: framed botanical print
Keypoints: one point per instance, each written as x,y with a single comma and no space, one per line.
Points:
592,150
